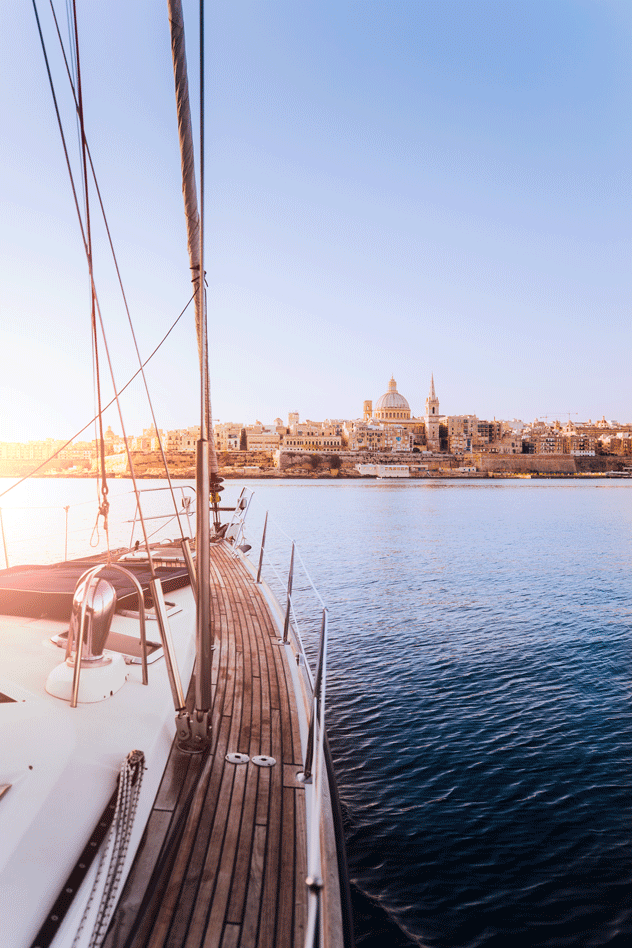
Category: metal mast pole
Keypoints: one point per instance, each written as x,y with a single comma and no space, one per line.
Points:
194,730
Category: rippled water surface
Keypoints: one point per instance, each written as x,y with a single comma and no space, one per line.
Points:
479,698
480,714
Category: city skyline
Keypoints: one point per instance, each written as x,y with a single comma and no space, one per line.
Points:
293,417
550,418
440,189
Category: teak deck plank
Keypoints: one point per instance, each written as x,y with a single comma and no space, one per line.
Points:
237,866
300,829
250,926
286,873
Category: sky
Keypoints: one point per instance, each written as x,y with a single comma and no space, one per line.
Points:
392,188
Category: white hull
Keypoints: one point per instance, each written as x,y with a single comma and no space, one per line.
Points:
62,764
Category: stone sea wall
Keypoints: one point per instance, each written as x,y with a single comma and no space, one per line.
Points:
239,464
526,463
546,464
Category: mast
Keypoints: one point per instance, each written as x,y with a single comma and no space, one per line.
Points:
194,729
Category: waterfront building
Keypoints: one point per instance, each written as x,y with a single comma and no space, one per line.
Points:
180,440
383,470
362,436
510,443
311,435
29,450
551,443
114,443
379,437
336,428
311,440
578,443
263,437
488,432
84,451
227,435
619,443
462,433
459,443
148,441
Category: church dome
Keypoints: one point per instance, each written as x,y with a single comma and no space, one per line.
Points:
392,399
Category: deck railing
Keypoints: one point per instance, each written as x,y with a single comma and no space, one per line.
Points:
187,502
301,619
46,534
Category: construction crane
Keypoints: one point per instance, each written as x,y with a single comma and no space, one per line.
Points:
557,414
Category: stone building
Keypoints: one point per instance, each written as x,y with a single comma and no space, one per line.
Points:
227,435
181,440
150,440
379,437
264,437
462,433
28,451
311,435
620,443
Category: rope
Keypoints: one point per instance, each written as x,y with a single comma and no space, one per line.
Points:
130,780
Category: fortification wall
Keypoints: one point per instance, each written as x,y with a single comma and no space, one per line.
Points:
295,461
526,463
598,465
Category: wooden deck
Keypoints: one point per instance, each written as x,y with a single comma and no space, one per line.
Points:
229,838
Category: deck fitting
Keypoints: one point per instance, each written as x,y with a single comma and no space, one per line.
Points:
237,758
315,883
263,761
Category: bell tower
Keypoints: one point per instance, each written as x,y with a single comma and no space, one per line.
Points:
432,418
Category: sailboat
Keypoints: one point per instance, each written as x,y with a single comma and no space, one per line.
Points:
165,778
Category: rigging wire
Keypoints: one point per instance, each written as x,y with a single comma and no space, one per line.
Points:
119,278
61,128
105,506
105,408
215,479
95,308
206,394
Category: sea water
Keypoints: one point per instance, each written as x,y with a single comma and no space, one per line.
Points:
479,694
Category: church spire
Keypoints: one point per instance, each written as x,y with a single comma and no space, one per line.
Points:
432,418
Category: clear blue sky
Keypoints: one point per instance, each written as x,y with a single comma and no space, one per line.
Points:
392,188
